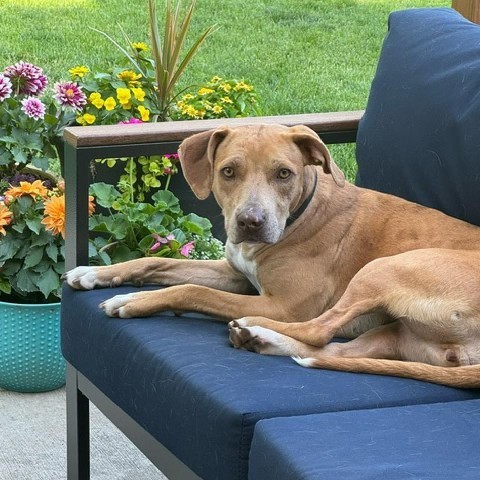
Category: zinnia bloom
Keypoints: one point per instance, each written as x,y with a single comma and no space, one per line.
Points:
33,107
5,87
69,94
27,79
34,189
5,218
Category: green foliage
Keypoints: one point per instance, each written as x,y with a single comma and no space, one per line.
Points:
133,229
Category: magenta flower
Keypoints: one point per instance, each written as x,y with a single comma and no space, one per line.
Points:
130,121
5,87
33,107
69,94
27,79
187,249
161,241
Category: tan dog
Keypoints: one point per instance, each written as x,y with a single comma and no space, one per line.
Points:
315,247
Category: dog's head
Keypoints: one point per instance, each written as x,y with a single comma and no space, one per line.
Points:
256,174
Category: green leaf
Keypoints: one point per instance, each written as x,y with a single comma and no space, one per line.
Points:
34,257
49,282
5,286
34,224
52,251
169,199
105,194
9,247
123,254
41,162
25,281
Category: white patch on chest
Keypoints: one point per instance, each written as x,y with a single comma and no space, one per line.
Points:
241,256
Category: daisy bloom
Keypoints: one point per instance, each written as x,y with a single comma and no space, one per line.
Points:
34,189
27,79
205,91
5,218
140,46
33,108
5,87
79,71
129,77
69,94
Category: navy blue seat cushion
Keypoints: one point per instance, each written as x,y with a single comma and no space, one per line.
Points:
419,138
428,442
180,379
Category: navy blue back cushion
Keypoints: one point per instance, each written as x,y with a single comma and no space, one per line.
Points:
420,136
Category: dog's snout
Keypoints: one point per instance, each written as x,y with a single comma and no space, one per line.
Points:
250,219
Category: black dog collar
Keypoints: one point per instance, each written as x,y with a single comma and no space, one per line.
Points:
297,213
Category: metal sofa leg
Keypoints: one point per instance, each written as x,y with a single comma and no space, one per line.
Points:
78,429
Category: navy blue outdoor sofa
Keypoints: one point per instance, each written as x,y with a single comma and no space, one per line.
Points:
201,409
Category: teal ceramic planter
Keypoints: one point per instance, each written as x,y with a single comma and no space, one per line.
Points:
30,354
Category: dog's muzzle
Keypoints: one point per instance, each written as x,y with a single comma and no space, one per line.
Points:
252,226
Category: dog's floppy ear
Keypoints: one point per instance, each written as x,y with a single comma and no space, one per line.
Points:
197,154
316,152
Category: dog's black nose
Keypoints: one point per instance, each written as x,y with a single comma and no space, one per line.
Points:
250,219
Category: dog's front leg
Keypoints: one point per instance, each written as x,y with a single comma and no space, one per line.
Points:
191,298
216,274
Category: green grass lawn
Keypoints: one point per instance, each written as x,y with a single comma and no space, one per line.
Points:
301,55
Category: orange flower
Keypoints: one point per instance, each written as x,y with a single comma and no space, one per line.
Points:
54,219
35,189
5,218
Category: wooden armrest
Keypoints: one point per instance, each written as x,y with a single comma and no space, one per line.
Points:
93,136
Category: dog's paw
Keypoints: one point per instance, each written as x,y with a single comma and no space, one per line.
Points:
81,278
117,305
259,340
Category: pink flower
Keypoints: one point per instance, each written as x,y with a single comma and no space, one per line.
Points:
131,120
27,79
69,94
5,87
161,241
187,248
33,107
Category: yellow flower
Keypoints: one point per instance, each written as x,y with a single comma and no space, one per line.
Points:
95,99
140,46
124,95
110,104
187,97
139,94
54,219
226,87
215,79
243,86
34,189
89,118
5,218
217,109
226,100
129,77
144,112
79,71
205,91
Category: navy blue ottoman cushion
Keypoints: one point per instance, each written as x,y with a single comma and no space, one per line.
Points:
420,137
427,442
180,379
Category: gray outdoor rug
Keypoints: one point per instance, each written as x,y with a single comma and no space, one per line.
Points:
33,447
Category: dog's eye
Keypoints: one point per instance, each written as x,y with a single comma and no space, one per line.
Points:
228,172
284,173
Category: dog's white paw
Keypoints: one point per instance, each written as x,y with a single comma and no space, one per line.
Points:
115,306
82,278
